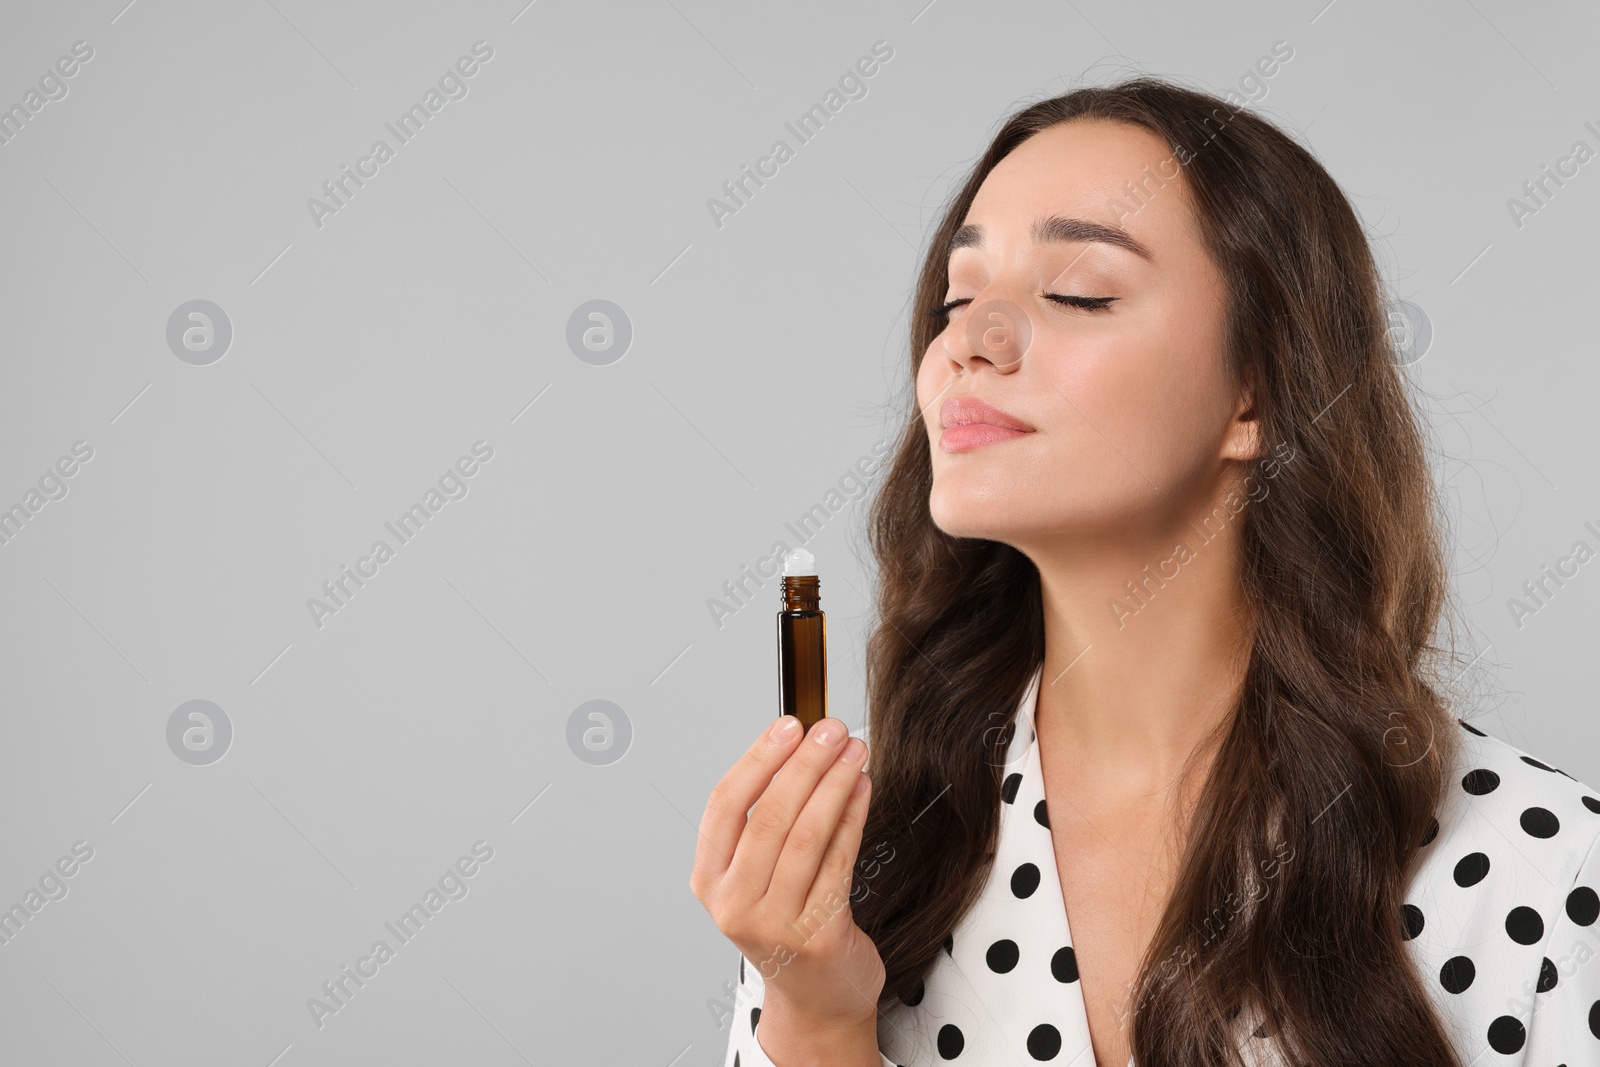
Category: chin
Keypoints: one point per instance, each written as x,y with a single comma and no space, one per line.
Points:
967,517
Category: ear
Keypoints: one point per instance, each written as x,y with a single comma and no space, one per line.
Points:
1243,439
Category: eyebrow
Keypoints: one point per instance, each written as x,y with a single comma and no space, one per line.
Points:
1058,228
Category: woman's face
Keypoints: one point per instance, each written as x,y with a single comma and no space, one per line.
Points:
1130,412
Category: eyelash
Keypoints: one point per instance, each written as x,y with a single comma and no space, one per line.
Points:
1086,303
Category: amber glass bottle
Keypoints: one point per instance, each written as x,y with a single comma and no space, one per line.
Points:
802,650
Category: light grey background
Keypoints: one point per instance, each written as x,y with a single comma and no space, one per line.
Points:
368,354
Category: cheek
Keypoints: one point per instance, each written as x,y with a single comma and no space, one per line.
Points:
1145,404
933,375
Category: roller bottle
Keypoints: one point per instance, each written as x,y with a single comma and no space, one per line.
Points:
802,642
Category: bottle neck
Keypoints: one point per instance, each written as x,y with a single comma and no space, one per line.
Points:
801,593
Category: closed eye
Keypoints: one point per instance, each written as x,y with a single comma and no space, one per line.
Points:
1087,303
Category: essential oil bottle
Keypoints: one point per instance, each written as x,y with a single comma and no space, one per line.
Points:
802,642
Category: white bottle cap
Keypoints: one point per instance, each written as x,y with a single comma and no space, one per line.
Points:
799,561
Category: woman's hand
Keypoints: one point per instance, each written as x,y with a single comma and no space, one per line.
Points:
777,882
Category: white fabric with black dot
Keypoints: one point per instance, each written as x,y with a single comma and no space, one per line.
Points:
1501,915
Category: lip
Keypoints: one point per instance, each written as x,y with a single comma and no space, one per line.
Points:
971,423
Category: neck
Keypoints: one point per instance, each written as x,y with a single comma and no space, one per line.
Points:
1146,641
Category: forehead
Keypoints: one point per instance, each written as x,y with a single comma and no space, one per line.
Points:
1111,173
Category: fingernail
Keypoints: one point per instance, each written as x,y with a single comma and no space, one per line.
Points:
828,731
784,727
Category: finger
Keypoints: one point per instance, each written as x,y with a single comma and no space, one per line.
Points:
818,824
834,875
773,817
723,822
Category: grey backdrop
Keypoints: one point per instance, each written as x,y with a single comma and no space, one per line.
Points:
234,456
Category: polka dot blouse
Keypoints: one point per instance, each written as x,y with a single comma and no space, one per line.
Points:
1500,920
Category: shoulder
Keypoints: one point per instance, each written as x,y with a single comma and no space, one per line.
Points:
1502,892
1498,790
1508,816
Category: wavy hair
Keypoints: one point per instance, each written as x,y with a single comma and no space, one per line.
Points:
1340,710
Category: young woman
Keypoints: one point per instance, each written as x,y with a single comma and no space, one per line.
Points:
1160,575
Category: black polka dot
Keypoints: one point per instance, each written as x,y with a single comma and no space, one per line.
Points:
1411,921
1547,976
1472,869
741,968
1480,781
1024,880
1530,761
951,1041
1525,926
1592,803
1064,965
1008,789
1457,974
1433,831
1041,816
916,995
1540,822
950,945
755,1017
1002,956
1583,906
735,1059
1594,1018
1044,1042
1467,726
1506,1035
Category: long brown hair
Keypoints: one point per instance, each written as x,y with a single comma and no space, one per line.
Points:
1341,711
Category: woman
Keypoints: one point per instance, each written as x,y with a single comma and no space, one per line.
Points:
1159,581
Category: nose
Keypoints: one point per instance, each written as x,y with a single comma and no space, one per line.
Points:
993,330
